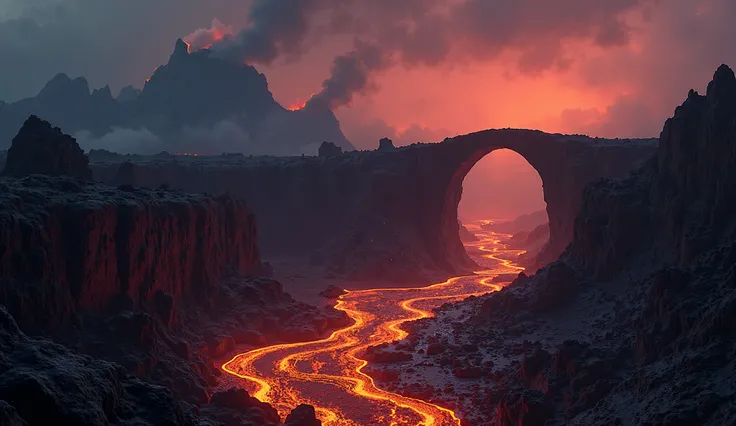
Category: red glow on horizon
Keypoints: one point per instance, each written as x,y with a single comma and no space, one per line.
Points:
186,154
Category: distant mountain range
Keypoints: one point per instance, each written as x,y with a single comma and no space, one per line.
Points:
195,103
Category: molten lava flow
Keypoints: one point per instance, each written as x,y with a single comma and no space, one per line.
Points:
328,373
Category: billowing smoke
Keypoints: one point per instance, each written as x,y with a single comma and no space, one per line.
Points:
277,27
417,32
351,73
204,38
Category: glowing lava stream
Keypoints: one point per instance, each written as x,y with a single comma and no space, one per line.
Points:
328,374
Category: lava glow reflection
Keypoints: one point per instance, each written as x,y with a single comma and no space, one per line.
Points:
328,373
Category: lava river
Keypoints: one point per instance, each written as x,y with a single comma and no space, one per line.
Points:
328,373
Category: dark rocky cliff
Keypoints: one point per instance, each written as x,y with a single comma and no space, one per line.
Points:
681,202
68,245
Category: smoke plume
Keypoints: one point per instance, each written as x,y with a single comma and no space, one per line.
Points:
351,73
204,38
276,27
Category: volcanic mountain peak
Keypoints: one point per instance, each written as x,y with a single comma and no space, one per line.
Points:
180,48
193,94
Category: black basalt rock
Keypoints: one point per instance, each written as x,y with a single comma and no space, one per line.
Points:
40,148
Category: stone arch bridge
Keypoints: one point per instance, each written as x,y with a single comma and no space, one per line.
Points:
386,214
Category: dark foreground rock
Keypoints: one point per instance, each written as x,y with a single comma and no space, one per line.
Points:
44,383
635,323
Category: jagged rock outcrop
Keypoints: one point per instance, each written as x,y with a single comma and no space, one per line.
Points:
40,148
386,145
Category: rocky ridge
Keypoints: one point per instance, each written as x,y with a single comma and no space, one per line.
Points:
192,93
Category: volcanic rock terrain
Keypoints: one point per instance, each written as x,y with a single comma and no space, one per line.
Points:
633,325
139,289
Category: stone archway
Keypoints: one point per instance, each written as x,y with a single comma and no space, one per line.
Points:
566,164
393,214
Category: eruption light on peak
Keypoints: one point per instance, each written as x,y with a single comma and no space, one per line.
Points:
205,38
299,104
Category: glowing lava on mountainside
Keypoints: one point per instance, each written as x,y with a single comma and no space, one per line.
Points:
328,373
299,104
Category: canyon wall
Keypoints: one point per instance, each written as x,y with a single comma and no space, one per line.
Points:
386,214
681,203
69,245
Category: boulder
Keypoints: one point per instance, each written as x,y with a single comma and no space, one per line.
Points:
303,415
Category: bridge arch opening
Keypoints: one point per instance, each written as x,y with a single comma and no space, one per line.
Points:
502,192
